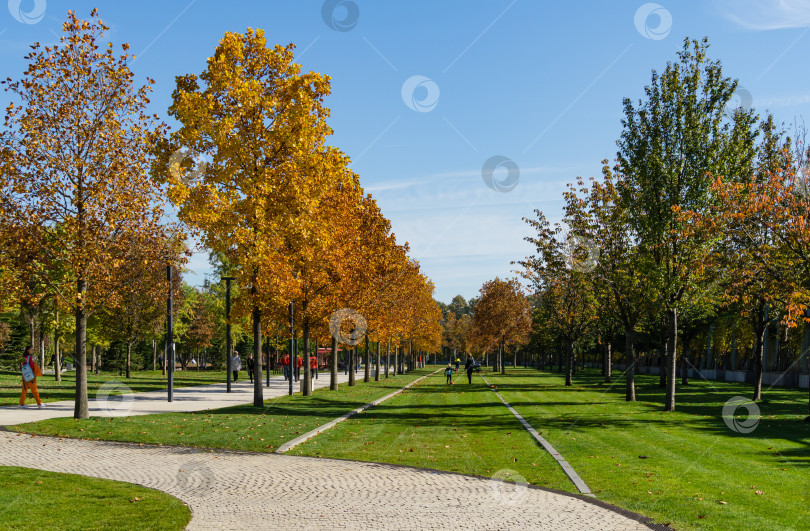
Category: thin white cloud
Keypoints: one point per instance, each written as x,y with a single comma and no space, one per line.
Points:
791,100
401,184
765,15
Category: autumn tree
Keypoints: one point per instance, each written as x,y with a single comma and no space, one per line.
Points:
622,289
762,222
261,124
75,151
672,141
502,316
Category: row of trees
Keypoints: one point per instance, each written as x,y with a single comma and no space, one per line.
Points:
702,220
498,319
85,172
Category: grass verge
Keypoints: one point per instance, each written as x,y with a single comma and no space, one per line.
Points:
35,499
244,428
459,428
687,467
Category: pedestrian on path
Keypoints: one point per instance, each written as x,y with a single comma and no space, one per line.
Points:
469,367
30,371
299,362
251,364
313,366
449,373
236,365
285,365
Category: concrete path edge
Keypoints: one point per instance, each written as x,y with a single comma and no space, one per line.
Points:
289,445
567,468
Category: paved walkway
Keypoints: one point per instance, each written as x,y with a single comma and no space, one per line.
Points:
239,490
105,404
236,490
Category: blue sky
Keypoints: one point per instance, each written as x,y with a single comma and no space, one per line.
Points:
537,82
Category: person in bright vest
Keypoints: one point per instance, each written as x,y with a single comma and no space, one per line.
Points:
313,366
285,365
28,359
299,362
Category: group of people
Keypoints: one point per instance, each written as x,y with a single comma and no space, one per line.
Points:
470,366
236,366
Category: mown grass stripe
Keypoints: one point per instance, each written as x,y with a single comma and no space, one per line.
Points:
567,468
286,447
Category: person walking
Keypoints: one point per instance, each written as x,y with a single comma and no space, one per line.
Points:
250,365
449,373
313,366
236,365
285,365
469,366
458,362
299,362
30,371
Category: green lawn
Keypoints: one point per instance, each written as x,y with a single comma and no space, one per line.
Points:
461,428
686,467
236,428
51,391
34,499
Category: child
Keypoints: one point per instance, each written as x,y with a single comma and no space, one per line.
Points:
28,359
449,373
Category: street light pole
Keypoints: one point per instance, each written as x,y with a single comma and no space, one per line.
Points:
292,349
228,340
170,331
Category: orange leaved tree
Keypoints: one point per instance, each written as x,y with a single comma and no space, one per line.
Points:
75,153
261,124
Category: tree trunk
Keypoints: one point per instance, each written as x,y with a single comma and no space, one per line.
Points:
333,366
608,365
387,357
569,365
604,358
662,354
57,361
154,354
80,410
377,371
367,371
630,364
42,359
351,366
129,357
685,362
258,389
163,363
503,354
759,352
672,359
307,389
396,359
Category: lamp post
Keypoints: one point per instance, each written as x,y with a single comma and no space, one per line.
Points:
228,340
170,330
292,349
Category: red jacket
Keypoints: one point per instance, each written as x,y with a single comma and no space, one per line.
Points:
285,360
299,362
313,362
